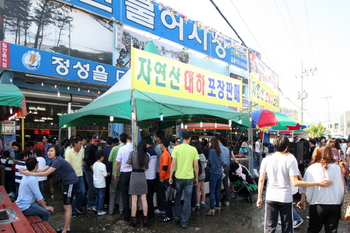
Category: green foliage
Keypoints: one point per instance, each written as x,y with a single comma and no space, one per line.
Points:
105,58
316,130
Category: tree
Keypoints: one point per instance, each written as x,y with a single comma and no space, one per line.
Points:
17,17
62,22
316,130
43,16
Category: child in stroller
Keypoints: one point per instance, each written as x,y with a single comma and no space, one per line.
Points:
242,182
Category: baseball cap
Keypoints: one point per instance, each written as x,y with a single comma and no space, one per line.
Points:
96,137
348,140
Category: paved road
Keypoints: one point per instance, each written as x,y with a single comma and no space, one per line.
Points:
240,216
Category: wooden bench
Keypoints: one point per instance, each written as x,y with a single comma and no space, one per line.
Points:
26,224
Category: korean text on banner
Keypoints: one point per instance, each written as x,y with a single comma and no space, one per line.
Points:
263,95
156,74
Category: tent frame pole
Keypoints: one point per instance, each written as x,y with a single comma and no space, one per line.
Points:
22,131
133,120
250,129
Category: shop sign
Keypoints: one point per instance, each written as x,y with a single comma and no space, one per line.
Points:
5,55
156,74
40,62
263,73
263,95
162,21
107,8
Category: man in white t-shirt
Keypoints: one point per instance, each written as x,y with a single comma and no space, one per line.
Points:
281,168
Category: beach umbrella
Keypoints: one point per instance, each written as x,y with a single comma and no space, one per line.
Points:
267,118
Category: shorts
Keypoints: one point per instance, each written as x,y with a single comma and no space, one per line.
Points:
199,181
68,193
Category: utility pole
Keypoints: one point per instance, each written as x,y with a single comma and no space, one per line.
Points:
329,112
303,94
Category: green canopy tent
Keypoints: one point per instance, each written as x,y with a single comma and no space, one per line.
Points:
117,102
120,101
11,96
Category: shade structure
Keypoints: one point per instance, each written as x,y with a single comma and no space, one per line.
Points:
117,102
285,131
298,127
209,126
266,118
10,95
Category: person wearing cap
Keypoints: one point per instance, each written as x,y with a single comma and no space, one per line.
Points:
89,160
185,162
244,149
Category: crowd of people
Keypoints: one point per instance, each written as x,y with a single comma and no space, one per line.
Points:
105,179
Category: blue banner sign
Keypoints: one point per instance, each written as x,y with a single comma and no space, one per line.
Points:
163,22
40,62
107,8
152,17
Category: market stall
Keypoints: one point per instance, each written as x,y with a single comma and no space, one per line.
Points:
166,92
12,97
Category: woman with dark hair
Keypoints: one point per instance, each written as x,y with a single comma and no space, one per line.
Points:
69,180
336,150
215,170
138,184
324,202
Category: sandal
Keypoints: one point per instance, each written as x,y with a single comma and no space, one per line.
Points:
61,229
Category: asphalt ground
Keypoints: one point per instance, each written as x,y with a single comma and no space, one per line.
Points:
240,216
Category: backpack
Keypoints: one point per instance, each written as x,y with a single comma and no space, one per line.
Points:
200,168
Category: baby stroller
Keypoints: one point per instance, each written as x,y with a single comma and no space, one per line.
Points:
242,182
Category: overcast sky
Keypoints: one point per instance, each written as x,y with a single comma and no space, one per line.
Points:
289,33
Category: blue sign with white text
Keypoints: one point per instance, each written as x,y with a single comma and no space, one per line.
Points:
153,18
107,8
150,17
61,66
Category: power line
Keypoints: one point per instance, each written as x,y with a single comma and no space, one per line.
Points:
256,41
308,25
228,23
296,32
285,26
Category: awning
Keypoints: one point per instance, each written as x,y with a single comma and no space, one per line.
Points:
10,95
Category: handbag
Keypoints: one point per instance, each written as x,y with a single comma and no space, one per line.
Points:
345,208
170,194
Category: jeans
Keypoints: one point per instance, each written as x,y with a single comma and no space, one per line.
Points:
214,187
183,185
114,192
9,176
194,197
100,198
150,194
226,184
91,193
168,207
124,188
41,187
80,195
36,209
296,216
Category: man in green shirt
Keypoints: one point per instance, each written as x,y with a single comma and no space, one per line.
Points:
114,186
185,162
